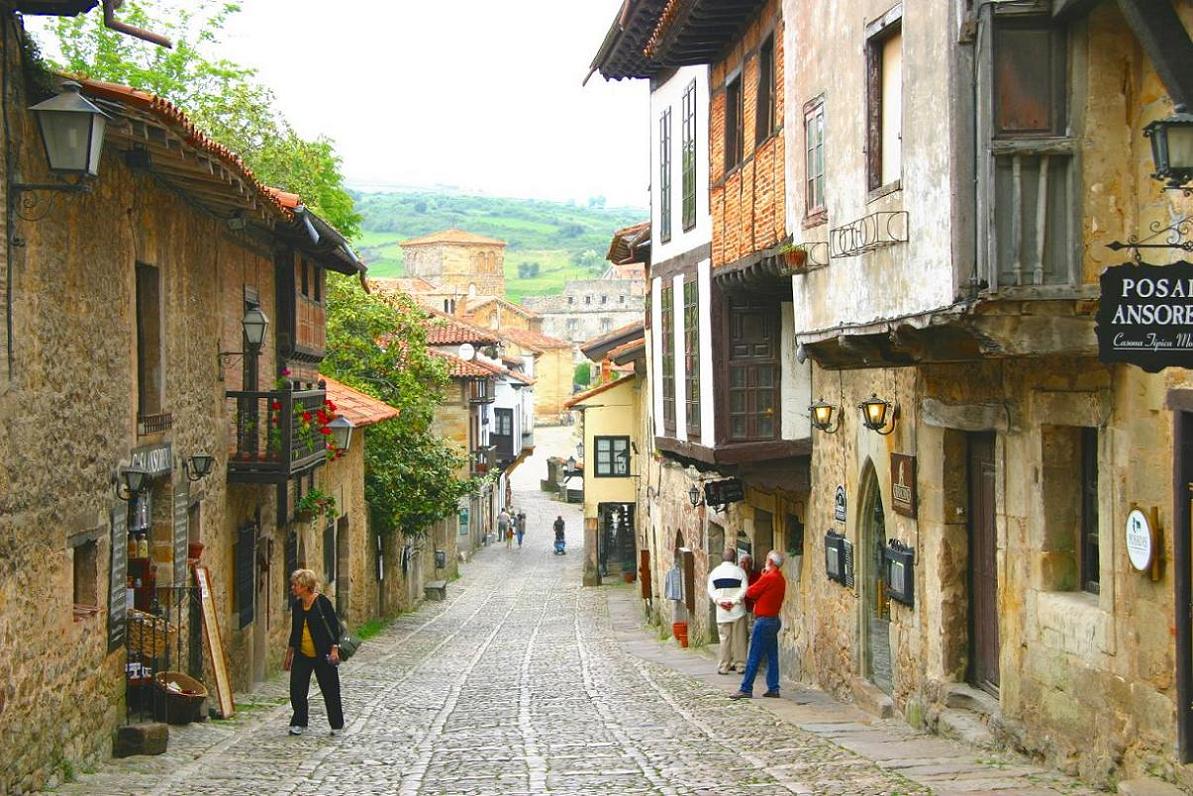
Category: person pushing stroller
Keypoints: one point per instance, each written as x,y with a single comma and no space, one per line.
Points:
559,539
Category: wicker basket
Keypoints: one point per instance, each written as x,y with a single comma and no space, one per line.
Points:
150,636
175,707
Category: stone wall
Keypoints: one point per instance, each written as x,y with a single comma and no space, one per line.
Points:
478,269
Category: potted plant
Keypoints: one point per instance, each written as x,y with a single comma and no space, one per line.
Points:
794,254
314,503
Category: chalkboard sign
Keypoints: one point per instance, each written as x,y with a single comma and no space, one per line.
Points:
118,582
182,500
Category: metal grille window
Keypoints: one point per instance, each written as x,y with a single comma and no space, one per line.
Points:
665,176
668,341
691,334
814,157
1089,511
612,457
734,116
689,157
764,120
753,370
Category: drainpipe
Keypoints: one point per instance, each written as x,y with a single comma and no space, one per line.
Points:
110,21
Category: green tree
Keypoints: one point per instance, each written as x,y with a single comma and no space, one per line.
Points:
378,345
582,374
223,98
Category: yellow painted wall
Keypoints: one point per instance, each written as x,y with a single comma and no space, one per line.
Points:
615,412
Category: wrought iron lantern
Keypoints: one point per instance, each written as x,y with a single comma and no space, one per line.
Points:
1172,148
198,466
341,432
72,130
132,481
694,496
878,414
255,323
822,416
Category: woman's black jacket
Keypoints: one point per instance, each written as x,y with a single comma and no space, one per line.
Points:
320,628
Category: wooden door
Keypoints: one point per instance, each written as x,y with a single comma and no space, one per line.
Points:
983,569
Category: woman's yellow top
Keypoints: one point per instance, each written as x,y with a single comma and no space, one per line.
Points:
307,647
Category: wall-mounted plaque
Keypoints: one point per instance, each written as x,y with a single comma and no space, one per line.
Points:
839,504
1140,540
903,495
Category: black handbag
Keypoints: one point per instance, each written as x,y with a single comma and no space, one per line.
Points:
347,644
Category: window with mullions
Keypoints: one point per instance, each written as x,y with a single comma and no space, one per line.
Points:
668,332
814,157
734,124
753,369
691,334
764,120
612,457
665,176
689,156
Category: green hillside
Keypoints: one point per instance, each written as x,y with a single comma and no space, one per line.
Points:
547,242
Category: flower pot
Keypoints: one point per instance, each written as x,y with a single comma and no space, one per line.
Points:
680,631
795,258
304,516
628,577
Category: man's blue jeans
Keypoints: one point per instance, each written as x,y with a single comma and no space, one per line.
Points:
763,641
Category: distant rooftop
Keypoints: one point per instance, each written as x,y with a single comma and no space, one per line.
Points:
452,236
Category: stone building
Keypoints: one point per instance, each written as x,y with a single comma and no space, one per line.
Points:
955,232
455,259
588,308
727,394
129,307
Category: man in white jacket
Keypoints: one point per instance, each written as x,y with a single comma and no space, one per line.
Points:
727,588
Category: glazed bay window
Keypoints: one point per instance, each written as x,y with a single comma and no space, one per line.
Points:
753,353
691,334
612,457
884,100
814,159
764,119
1027,119
734,123
668,363
665,176
689,157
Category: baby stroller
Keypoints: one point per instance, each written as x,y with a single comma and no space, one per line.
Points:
559,546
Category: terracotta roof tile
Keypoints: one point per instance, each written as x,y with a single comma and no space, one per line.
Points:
627,351
452,236
361,409
536,341
401,284
463,369
445,330
584,396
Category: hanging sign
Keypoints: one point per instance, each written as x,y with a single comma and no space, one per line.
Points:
182,501
1140,540
903,484
1145,317
118,581
839,504
155,460
724,492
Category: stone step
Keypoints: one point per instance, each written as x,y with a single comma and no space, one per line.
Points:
872,699
967,727
1146,786
965,697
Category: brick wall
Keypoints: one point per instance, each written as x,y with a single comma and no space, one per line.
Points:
747,201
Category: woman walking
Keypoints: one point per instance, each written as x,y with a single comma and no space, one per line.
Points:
314,647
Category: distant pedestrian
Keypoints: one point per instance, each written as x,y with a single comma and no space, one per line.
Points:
727,588
314,647
767,594
504,530
559,538
520,526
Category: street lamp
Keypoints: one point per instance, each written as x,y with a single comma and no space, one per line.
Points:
876,412
72,130
132,480
571,466
694,496
341,432
198,466
822,416
254,324
1172,148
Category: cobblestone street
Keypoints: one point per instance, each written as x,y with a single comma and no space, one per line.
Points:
523,682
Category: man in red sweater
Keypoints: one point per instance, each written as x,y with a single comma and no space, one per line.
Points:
767,593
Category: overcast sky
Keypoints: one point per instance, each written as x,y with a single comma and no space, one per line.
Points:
475,94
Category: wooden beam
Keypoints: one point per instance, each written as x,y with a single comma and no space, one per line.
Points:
1065,10
1165,40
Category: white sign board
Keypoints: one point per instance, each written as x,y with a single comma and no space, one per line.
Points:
1140,540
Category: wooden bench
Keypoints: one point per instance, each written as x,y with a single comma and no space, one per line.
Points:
436,590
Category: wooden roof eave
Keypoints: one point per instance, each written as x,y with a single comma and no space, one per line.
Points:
702,30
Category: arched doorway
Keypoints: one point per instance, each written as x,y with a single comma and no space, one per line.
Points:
876,610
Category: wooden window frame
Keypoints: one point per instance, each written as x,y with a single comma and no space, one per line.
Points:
691,332
1060,75
815,209
668,359
878,33
500,413
736,305
1088,543
611,469
151,338
665,176
688,157
765,121
734,122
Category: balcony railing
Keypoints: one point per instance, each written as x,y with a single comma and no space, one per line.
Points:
268,440
483,461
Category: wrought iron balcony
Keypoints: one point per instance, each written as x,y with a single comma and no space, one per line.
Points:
269,441
483,461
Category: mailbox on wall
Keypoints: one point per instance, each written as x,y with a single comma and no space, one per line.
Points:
899,572
838,558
